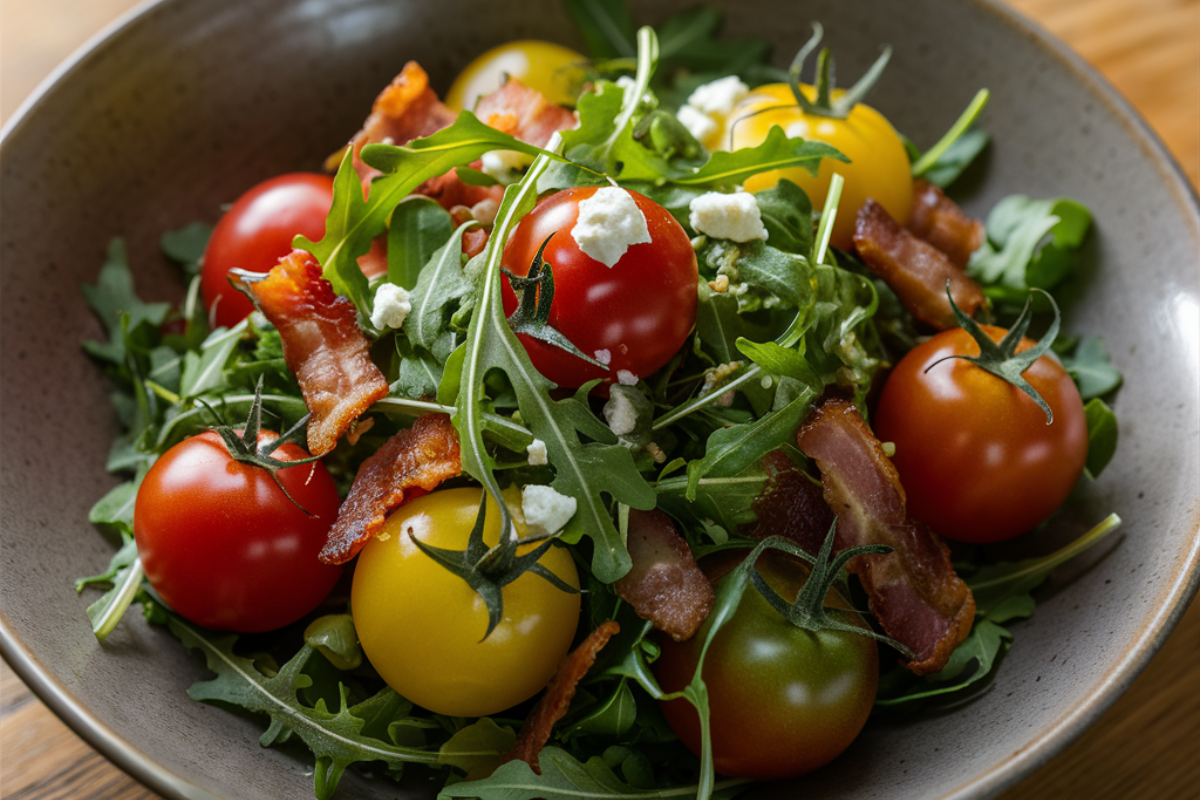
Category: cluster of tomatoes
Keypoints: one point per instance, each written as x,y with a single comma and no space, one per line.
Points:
224,547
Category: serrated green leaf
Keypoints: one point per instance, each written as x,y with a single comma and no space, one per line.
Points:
787,216
777,151
1091,368
477,746
417,229
1102,436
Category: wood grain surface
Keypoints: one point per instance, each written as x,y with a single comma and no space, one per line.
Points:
1146,746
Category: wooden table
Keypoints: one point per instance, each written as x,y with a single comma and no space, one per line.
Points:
1147,745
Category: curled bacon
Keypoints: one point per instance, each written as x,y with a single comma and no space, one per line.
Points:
524,113
938,220
322,345
559,692
913,590
791,505
914,269
664,585
409,464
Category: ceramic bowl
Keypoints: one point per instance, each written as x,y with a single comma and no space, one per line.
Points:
192,101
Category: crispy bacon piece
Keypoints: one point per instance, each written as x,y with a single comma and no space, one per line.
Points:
664,585
791,505
322,345
523,113
938,220
409,464
559,692
915,270
913,590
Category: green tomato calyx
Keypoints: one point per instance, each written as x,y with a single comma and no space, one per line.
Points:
245,448
535,293
1001,358
825,105
809,611
487,570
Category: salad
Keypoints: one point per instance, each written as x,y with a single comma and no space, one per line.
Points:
612,424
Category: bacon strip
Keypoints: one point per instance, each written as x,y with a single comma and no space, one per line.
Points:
791,506
322,345
559,692
938,220
913,590
914,269
409,464
664,585
524,113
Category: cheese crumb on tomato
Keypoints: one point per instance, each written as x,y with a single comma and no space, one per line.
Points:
536,452
391,306
620,414
603,356
626,378
609,223
546,511
727,216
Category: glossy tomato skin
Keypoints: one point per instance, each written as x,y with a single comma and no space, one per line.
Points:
783,701
976,458
879,166
224,547
550,68
256,232
422,627
638,312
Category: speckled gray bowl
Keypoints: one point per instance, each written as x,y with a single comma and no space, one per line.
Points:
192,101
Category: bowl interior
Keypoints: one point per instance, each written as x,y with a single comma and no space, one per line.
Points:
195,100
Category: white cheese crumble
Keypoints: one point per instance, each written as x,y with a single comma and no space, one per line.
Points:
727,216
620,414
391,306
603,356
700,125
546,511
503,165
719,96
609,223
537,453
626,378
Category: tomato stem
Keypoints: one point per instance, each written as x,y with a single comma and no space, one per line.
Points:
825,105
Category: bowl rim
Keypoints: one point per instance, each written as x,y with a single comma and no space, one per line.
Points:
1007,774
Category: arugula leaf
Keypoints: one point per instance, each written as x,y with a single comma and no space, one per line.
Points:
441,282
477,746
688,42
1102,436
787,216
118,307
777,151
186,246
952,162
585,472
334,737
565,778
417,229
1030,244
1091,368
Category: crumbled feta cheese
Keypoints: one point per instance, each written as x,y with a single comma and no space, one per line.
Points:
546,511
719,96
537,453
609,223
626,378
698,124
727,216
620,414
603,356
391,306
503,165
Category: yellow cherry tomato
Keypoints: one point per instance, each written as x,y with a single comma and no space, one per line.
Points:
879,167
422,627
552,69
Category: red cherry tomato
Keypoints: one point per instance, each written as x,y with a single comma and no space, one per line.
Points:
224,547
634,315
256,232
976,458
